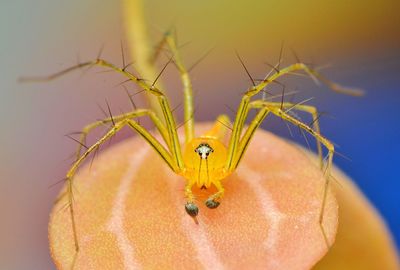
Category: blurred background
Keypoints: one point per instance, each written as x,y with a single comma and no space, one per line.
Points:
358,43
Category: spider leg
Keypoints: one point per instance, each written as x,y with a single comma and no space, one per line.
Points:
246,138
158,48
237,129
243,108
118,126
315,120
263,113
314,74
114,119
174,144
275,108
187,88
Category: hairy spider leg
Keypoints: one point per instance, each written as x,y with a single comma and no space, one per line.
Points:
301,107
160,149
116,118
275,107
243,108
169,39
174,144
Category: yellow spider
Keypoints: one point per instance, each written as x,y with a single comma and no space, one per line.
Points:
205,160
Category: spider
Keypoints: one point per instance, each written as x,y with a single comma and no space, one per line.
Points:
205,160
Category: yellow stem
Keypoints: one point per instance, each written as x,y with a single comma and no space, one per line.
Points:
140,46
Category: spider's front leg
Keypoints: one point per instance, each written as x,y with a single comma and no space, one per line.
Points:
285,107
173,142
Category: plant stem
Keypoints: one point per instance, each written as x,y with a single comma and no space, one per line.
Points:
140,46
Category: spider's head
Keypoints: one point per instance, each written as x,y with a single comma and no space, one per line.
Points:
205,160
